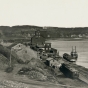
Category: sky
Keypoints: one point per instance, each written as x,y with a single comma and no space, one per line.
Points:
57,13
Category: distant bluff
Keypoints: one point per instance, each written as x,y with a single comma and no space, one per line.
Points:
52,32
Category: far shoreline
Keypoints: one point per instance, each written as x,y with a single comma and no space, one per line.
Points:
68,39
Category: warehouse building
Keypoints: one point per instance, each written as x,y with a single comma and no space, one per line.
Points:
37,39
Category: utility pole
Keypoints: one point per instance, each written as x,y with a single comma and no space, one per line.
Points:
72,48
10,57
37,53
75,48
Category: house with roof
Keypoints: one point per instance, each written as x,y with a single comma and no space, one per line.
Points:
49,61
53,63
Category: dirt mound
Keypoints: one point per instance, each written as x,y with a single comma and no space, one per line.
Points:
37,70
23,55
26,54
3,62
36,63
36,75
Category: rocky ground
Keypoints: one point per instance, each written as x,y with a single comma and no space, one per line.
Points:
38,74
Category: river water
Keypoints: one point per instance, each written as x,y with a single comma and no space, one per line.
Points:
66,47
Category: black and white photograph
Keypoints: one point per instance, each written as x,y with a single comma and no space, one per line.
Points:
43,43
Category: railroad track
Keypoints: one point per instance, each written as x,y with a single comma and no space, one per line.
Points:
81,70
83,75
83,78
